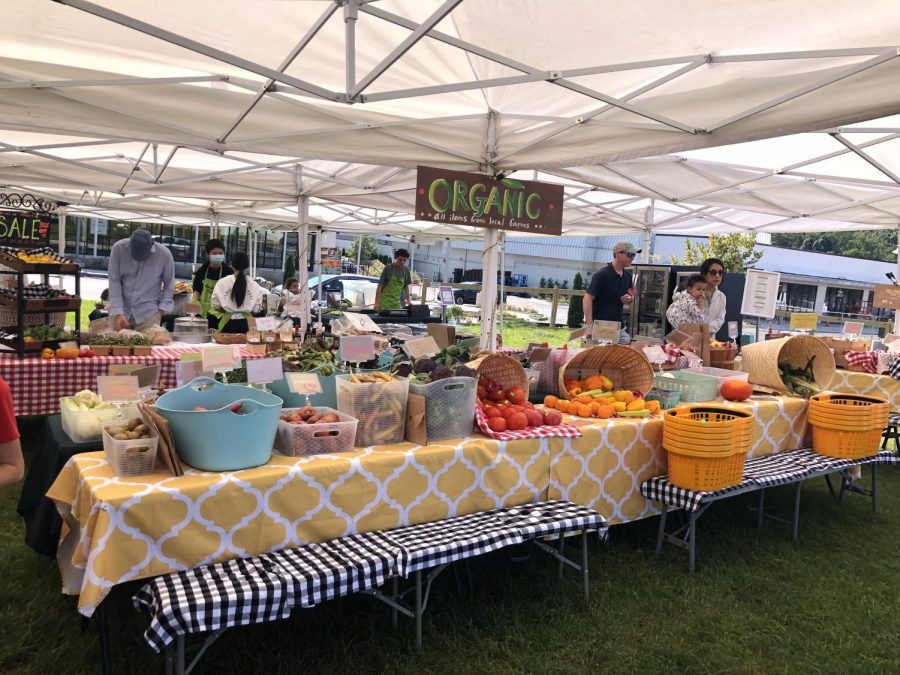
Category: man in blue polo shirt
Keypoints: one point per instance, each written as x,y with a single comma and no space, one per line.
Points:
611,288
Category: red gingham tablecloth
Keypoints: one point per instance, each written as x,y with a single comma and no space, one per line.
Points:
37,384
558,431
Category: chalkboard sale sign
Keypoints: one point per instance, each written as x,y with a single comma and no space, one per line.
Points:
24,230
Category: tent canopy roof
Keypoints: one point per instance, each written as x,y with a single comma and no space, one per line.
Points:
183,109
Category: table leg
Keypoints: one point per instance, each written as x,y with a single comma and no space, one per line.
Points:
874,488
395,583
419,612
692,535
104,638
170,659
584,563
662,529
179,655
830,486
795,534
562,552
762,509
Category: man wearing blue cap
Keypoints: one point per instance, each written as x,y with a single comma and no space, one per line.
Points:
141,282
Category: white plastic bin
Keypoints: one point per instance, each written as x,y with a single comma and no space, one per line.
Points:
297,440
449,406
83,426
134,457
380,408
722,374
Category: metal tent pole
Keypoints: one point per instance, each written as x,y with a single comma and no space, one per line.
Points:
319,272
502,282
61,243
897,311
302,258
489,291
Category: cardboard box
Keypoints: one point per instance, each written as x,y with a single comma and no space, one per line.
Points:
443,334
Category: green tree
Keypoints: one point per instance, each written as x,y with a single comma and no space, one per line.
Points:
868,244
576,311
290,268
736,251
369,249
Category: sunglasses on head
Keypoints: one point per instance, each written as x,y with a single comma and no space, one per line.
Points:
717,273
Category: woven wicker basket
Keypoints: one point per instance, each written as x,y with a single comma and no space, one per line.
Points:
230,338
761,360
626,368
722,358
504,370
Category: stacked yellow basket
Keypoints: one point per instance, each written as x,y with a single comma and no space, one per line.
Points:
707,445
846,425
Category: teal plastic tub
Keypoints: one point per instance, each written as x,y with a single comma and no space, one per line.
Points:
218,439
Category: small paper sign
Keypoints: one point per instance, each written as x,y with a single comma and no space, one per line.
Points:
264,370
187,370
804,320
192,308
733,329
358,348
218,358
148,376
655,354
539,354
446,295
578,333
606,331
304,383
426,346
190,356
68,344
117,388
853,327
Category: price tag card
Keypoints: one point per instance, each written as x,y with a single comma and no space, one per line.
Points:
190,356
655,354
853,327
117,387
187,370
192,308
577,333
733,329
804,320
606,331
286,335
265,323
264,370
218,358
147,376
69,344
426,346
446,295
304,383
357,348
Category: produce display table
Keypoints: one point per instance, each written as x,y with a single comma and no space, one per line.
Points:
53,449
866,384
119,529
604,468
37,384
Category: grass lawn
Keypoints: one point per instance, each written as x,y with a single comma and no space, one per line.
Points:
518,333
87,306
758,604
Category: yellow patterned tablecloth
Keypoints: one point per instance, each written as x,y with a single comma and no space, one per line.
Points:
865,384
119,529
604,468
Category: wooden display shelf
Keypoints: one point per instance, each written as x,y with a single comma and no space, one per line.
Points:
38,305
19,265
35,346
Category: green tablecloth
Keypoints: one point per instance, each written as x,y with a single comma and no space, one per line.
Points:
51,452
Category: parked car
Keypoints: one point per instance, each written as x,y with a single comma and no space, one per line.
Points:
467,296
180,248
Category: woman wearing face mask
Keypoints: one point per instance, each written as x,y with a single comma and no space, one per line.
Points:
207,276
235,297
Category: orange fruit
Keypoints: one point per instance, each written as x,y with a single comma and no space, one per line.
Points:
563,405
550,401
605,412
583,410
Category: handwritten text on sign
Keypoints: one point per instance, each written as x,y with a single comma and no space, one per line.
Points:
357,348
426,346
304,383
218,358
264,370
117,388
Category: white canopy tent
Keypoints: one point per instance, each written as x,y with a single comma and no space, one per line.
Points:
314,113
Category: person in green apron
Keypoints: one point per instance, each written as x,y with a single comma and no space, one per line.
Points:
207,276
393,286
235,298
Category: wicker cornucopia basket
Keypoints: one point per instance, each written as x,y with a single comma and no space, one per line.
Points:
626,368
761,360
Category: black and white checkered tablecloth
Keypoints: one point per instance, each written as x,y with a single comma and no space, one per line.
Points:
759,472
269,586
894,418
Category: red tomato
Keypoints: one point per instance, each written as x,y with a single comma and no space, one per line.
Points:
487,404
497,394
493,412
517,408
535,419
527,405
552,418
497,424
507,411
517,422
516,395
482,392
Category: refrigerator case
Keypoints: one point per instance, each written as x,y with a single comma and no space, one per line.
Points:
655,285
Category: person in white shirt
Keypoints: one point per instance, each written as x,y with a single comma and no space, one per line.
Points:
714,271
236,297
292,301
689,305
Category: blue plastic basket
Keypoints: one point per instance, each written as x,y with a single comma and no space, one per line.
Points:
217,439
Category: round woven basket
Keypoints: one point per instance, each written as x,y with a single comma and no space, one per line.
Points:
229,338
627,368
722,358
504,370
761,359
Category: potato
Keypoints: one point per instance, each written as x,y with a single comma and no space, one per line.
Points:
121,436
137,450
115,430
142,429
330,417
133,423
